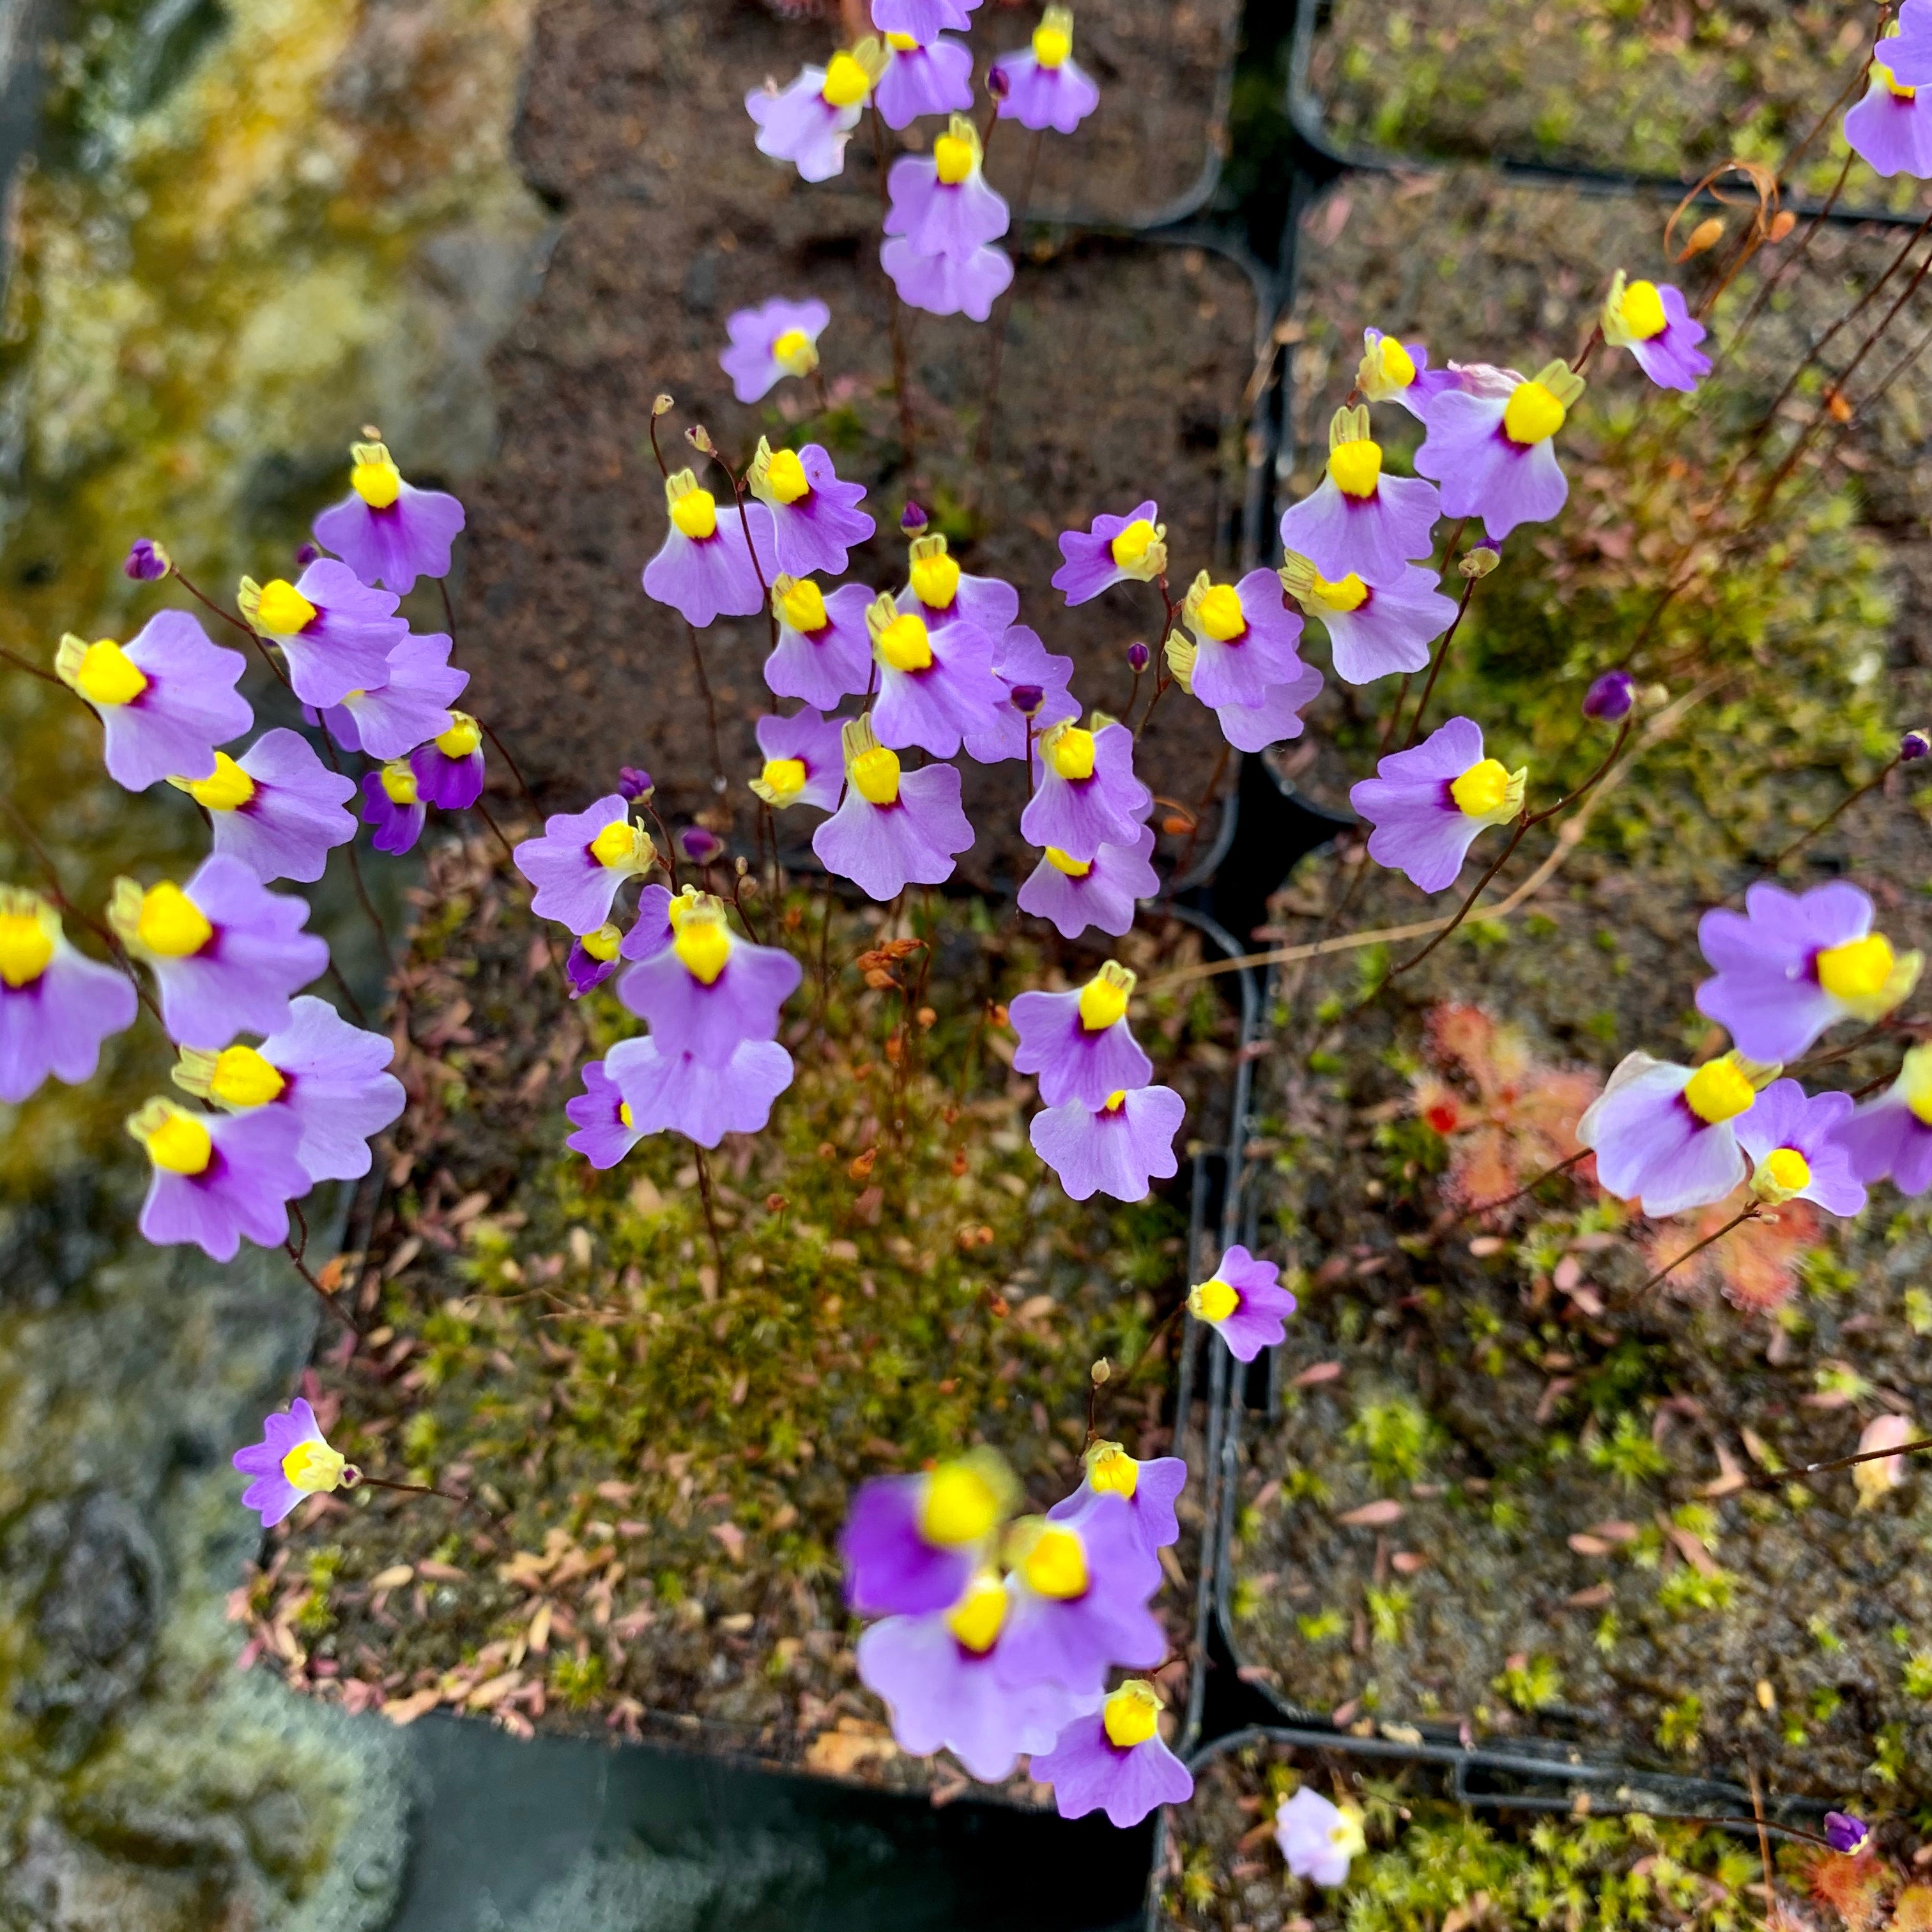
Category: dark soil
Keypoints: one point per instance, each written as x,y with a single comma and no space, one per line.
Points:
670,1454
1654,88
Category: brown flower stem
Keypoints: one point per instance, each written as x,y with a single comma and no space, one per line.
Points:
1441,657
1770,285
349,852
483,813
1583,790
738,903
670,847
710,1211
1529,1186
1843,805
321,1294
982,446
33,669
719,783
1147,1347
737,483
663,468
1924,1442
1395,715
1463,911
902,387
364,1480
348,993
228,617
1589,350
825,952
502,752
1751,1212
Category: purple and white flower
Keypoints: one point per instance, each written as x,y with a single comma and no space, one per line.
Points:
944,594
815,519
932,77
947,284
226,954
1099,892
1111,551
1654,324
387,531
934,686
894,828
1087,795
683,1092
335,631
1319,1841
1079,1042
1245,640
215,1177
1666,1135
293,1460
705,568
1357,519
1398,372
1147,1488
1373,632
449,768
808,122
804,760
390,720
593,957
278,808
1491,446
912,1544
1892,1134
1118,1148
1254,727
1020,663
1793,1141
1045,87
606,1129
922,19
942,203
1890,127
1430,803
1243,1302
777,339
708,991
56,1005
824,650
581,860
393,807
165,699
1115,1761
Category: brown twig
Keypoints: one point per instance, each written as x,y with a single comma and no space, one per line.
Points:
1751,1212
710,1212
321,1294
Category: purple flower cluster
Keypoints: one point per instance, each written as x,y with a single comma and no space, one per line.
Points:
941,226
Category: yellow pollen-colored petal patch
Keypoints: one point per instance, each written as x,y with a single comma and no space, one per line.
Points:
704,946
1643,310
782,780
876,774
1130,546
242,1078
1213,1300
1056,1565
978,1616
846,83
375,479
1111,1472
624,1113
1350,593
399,782
1889,81
795,352
901,44
1857,969
1103,1000
603,943
1116,1100
227,788
29,929
616,844
801,604
1532,414
1719,1091
170,925
904,644
175,1140
1914,1083
1789,1169
1357,467
785,477
1070,751
108,675
963,1503
282,611
1131,1714
463,738
695,514
313,1468
1061,861
1481,789
1053,38
935,579
1394,364
953,158
1218,612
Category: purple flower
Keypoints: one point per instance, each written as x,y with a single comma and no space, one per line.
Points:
705,568
1909,49
606,1129
922,19
1112,550
1255,727
293,1460
278,808
1372,632
709,990
1358,520
804,760
808,122
56,1005
894,828
929,77
1792,964
1913,745
934,686
1655,326
941,203
390,720
1398,372
656,926
1079,1587
824,651
335,632
1491,447
388,531
1610,697
1244,640
1079,1042
328,1076
1076,893
943,285
815,520
1243,1303
1892,1134
1795,1152
1666,1135
635,785
1027,671
911,1543
1148,1489
944,594
938,1675
593,957
1846,1833
226,952
391,805
581,860
701,845
215,1177
1430,803
165,700
1118,1148
1891,128
777,339
1087,796
146,561
449,768
1319,1841
1044,86
1114,1760
681,1093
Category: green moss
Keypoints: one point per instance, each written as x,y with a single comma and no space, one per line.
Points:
1532,1685
1395,1434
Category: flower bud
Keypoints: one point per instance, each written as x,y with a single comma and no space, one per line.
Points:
1028,698
1707,234
700,846
1610,697
998,83
1913,745
662,405
699,437
305,555
637,786
146,561
1101,1372
1138,657
912,519
1782,223
1480,561
1845,1832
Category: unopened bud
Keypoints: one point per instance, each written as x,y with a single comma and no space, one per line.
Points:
1028,698
305,555
1610,697
1101,1372
1844,1832
1138,657
146,561
1782,223
662,405
370,433
698,845
636,785
1707,234
998,83
1913,745
1480,561
699,437
912,519
741,865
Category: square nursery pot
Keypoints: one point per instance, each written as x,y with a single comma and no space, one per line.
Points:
1614,94
1127,373
661,1459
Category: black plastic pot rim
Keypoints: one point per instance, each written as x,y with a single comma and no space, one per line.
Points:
1305,114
